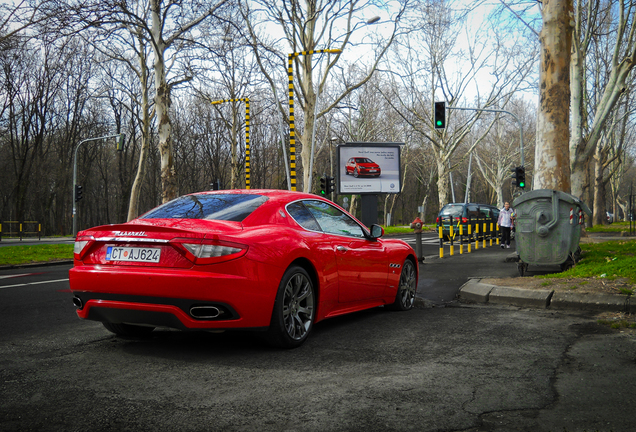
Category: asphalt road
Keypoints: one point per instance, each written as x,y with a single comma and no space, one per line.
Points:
478,368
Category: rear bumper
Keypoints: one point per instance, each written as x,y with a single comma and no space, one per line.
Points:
165,297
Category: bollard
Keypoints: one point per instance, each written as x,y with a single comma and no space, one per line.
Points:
485,232
470,232
450,236
441,240
416,225
491,233
498,235
477,235
461,239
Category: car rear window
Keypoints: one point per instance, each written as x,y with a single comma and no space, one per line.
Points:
226,207
452,210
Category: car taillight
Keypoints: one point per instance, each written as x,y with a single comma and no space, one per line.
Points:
208,252
464,220
80,245
437,220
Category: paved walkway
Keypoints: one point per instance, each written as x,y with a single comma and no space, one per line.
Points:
475,291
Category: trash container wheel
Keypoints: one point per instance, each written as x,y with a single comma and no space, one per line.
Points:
522,267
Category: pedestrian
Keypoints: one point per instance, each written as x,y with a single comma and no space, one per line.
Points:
506,221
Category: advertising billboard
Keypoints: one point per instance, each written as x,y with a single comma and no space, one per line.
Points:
369,168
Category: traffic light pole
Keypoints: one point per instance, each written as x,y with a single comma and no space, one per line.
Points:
499,111
119,148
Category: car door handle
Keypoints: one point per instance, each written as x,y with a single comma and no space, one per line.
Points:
341,248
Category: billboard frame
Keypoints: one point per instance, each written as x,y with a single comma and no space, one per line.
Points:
371,145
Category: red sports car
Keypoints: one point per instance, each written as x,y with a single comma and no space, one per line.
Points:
270,260
361,166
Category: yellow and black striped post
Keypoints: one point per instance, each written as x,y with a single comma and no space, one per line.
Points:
461,238
470,231
247,135
497,234
485,231
491,232
292,127
441,240
450,236
477,235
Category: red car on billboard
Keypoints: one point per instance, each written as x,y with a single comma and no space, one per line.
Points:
362,166
269,260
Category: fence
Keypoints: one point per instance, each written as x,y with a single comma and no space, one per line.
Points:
469,230
22,229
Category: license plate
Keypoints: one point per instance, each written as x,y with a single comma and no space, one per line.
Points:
134,254
373,170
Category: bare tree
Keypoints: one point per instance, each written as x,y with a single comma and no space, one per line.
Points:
509,64
596,20
307,26
167,27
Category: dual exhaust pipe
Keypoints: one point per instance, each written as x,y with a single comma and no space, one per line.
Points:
198,312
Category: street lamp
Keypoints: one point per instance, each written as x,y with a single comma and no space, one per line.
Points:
120,147
247,135
292,127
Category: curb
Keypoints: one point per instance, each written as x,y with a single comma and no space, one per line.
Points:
38,264
474,291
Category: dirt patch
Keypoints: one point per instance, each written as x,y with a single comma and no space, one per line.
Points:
580,285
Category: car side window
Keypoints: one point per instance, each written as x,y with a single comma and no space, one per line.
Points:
472,211
332,220
299,212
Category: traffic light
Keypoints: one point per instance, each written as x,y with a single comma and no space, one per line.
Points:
323,185
440,115
519,177
331,184
78,193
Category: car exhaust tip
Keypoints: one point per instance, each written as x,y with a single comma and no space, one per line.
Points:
78,302
205,312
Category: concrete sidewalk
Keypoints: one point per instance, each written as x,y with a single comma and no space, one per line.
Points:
475,291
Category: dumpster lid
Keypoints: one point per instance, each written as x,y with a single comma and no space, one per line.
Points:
549,193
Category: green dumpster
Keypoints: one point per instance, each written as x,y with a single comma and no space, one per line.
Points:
548,228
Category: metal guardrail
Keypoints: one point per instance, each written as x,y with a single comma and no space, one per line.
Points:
477,230
22,229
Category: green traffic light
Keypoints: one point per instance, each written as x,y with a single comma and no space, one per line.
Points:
439,122
522,184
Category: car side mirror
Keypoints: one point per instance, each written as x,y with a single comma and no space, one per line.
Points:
376,231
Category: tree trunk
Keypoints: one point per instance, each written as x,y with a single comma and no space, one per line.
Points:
135,193
169,189
598,212
442,183
552,155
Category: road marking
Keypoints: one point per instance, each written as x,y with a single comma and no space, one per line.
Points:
34,283
15,275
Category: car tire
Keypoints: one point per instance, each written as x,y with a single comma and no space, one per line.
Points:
294,310
405,296
128,330
356,173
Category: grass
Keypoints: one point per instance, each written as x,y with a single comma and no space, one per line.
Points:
406,229
611,260
13,255
615,227
617,324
